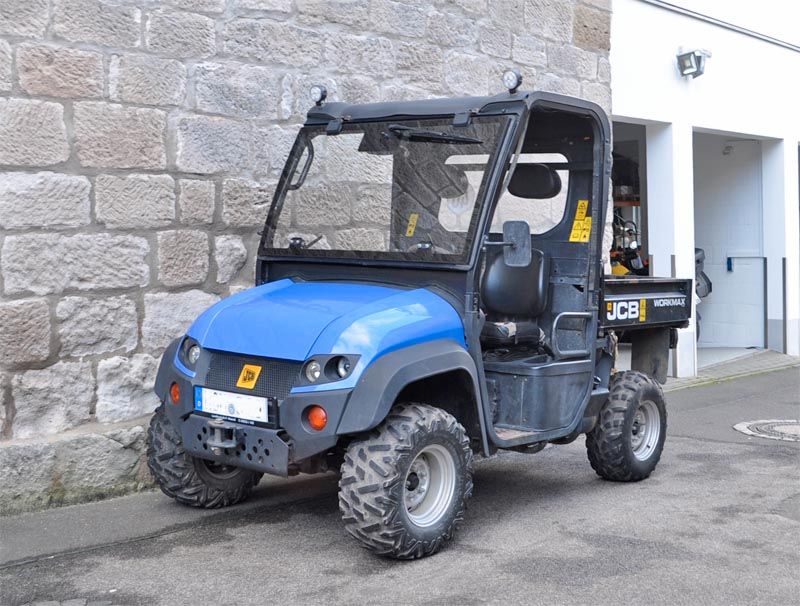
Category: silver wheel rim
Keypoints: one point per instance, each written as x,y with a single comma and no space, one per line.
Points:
646,430
429,485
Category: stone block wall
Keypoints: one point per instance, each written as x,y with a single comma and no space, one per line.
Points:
140,141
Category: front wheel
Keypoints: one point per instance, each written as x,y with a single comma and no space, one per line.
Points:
626,443
191,480
404,488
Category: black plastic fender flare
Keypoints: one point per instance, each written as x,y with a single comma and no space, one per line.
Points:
381,383
166,370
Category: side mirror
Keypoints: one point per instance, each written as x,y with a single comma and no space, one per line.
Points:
517,243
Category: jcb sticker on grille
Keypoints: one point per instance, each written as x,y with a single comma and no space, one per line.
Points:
248,376
626,310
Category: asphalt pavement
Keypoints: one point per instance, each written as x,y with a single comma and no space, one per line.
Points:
717,523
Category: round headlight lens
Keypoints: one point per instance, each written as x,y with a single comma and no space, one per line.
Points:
318,93
193,355
313,371
512,79
342,367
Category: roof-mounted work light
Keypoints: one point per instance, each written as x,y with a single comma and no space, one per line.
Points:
512,79
692,63
318,93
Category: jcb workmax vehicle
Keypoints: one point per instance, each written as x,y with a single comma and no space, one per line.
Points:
429,288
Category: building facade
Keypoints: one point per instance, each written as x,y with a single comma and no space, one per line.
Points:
717,158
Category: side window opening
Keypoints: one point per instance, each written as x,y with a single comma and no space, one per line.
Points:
541,213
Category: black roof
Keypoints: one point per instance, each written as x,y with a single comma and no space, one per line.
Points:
443,106
452,106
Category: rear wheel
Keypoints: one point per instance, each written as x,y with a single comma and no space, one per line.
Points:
626,443
191,480
404,488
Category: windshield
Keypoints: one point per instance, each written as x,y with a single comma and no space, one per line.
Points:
393,190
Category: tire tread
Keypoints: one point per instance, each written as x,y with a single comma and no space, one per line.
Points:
371,489
606,443
176,474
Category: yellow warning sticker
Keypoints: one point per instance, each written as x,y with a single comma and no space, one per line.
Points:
412,224
581,230
642,310
582,225
248,376
583,206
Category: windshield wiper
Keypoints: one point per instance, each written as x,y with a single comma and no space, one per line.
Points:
429,136
298,243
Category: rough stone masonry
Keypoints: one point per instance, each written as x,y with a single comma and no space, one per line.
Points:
139,144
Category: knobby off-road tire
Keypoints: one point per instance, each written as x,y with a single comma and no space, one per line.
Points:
404,487
626,443
191,480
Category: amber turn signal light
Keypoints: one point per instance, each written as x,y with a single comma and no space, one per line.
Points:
317,417
175,393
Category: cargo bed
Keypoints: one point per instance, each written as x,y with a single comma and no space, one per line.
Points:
635,302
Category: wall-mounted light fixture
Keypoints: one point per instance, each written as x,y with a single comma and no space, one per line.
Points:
692,63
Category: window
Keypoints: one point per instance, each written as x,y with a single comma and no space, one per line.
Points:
542,214
385,190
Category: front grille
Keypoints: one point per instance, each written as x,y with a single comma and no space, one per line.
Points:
275,381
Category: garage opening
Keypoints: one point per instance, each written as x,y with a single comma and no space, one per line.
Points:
629,251
728,237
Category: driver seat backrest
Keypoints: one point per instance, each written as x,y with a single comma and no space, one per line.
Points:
512,298
515,292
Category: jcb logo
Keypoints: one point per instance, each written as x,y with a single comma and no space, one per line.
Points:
627,310
248,376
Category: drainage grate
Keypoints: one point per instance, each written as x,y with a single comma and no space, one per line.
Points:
774,429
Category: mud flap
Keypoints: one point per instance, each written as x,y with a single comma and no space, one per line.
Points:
650,352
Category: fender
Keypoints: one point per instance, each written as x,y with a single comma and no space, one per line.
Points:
381,383
165,370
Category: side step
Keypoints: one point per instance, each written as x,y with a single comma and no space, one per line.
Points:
512,433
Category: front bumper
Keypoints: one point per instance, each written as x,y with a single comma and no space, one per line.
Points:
275,449
257,448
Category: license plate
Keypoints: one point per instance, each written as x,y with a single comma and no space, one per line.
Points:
235,405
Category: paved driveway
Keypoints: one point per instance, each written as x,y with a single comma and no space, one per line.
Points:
717,523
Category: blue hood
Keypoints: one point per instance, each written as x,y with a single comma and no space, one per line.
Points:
293,320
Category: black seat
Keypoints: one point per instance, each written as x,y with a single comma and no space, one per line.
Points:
513,297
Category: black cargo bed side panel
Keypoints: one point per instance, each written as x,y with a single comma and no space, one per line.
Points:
642,302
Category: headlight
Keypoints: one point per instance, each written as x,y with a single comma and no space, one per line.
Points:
512,79
343,367
328,368
313,371
318,94
194,354
189,353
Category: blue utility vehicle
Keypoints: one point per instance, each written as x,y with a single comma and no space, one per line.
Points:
429,288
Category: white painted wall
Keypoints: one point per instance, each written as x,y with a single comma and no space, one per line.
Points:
750,89
749,86
727,223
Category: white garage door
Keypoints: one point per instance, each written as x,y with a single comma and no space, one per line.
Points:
727,198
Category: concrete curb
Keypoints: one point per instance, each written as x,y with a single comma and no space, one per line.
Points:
737,369
89,463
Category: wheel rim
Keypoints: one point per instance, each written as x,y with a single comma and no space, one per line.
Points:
646,430
429,485
219,471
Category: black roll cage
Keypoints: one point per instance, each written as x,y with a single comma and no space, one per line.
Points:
518,105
